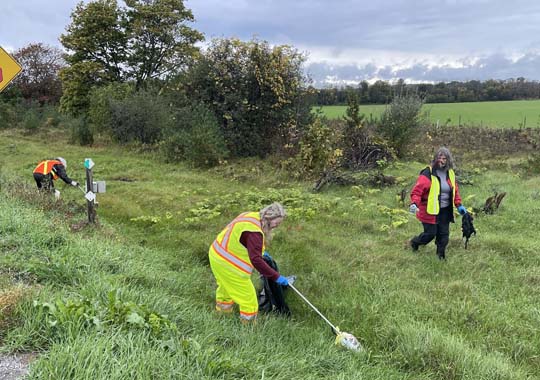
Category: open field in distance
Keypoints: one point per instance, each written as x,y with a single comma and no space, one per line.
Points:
501,114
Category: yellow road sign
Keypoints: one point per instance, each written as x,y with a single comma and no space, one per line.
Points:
9,68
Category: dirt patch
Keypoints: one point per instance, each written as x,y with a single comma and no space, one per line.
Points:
123,179
15,367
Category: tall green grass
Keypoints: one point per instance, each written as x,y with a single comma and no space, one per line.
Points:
474,316
501,114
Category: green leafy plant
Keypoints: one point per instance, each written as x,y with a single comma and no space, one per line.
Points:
114,313
318,152
400,121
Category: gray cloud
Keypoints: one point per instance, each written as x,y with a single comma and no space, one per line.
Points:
429,40
28,21
426,39
429,26
496,66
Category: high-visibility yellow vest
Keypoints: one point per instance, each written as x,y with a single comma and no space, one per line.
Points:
46,167
433,205
227,247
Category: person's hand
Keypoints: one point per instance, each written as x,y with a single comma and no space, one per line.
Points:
266,254
462,210
74,183
282,281
413,209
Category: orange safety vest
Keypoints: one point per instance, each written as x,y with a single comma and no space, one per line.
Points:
46,167
227,248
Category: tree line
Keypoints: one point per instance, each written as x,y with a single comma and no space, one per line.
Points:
382,92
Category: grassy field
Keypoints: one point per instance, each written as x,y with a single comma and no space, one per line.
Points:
133,298
504,114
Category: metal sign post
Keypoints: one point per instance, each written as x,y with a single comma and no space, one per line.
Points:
90,195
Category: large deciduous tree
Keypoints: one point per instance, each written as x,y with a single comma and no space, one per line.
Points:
160,42
97,34
39,80
143,40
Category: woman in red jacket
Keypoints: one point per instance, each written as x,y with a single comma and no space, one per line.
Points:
433,198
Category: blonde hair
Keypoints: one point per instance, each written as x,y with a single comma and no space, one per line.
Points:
269,213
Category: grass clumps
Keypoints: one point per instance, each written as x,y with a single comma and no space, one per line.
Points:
471,317
420,347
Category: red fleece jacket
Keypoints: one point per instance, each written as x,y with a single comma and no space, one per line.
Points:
420,193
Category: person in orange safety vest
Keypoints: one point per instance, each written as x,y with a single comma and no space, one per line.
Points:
47,171
237,250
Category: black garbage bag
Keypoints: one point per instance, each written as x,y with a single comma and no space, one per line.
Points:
272,295
467,227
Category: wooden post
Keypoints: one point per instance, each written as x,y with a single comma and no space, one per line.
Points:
89,164
90,204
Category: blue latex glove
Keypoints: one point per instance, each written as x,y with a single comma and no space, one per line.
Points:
282,281
266,254
462,210
413,209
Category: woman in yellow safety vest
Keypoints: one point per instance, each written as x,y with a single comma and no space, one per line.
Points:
433,198
236,251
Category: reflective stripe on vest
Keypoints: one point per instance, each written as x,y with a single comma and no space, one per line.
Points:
228,247
232,259
435,190
241,218
46,167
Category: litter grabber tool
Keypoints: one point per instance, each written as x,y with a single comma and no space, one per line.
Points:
344,339
80,188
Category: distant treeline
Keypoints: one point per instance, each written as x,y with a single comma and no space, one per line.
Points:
382,92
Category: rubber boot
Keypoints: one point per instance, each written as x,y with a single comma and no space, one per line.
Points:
414,246
224,308
248,322
441,254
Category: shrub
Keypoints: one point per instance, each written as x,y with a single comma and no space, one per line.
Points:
99,111
317,153
140,117
8,115
354,133
80,131
195,137
256,91
532,166
401,121
360,148
31,119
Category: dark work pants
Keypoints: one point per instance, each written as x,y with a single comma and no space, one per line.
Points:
44,181
439,231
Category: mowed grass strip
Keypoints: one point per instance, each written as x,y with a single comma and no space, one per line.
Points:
501,114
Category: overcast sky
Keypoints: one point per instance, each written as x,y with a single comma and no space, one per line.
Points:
348,41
